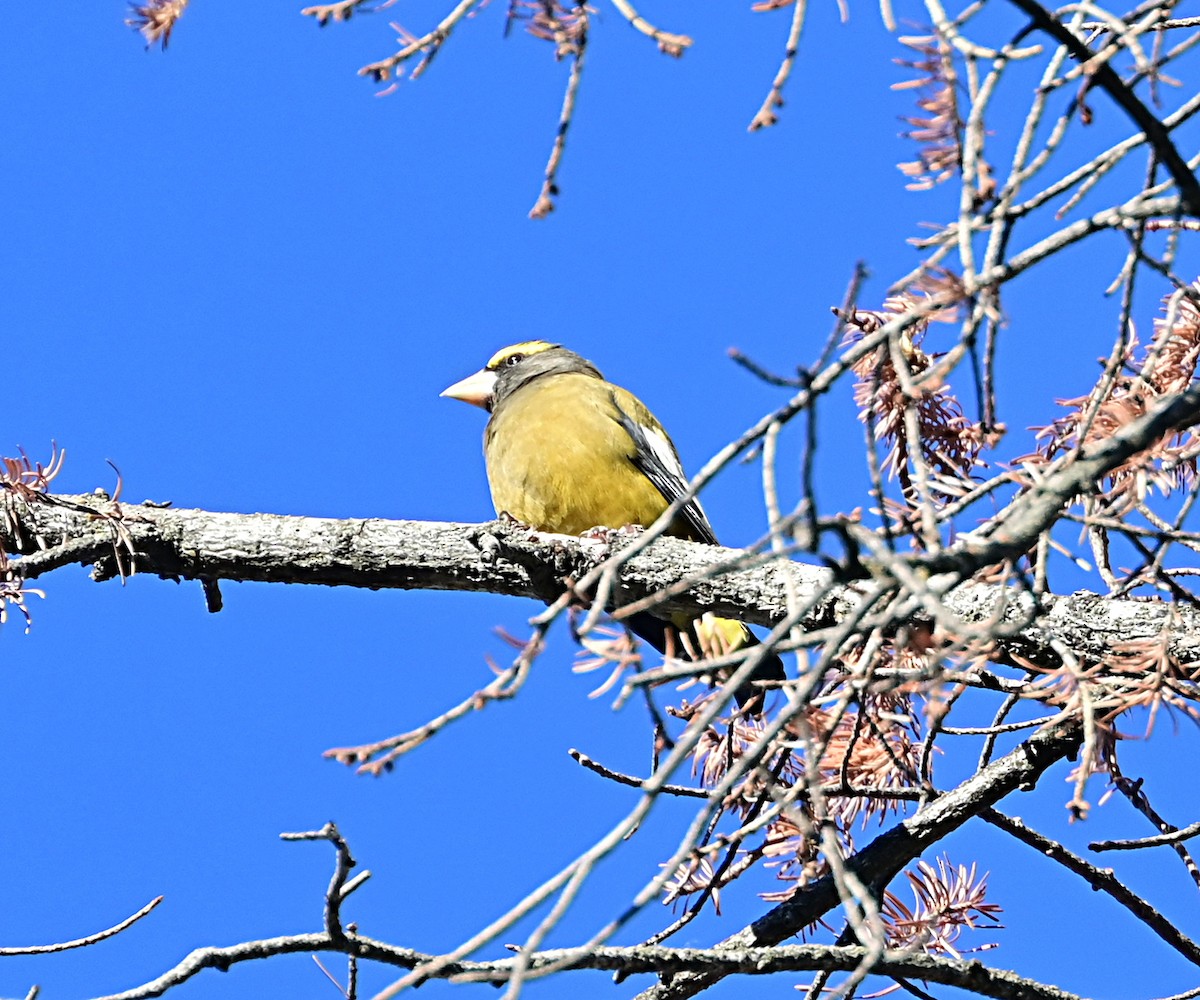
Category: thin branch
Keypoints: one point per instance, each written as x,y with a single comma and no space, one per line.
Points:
1106,77
46,949
631,780
342,10
379,757
1134,793
766,116
1098,878
427,44
1170,24
1186,833
972,975
545,200
668,42
340,885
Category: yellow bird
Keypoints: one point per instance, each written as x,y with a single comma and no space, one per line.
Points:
567,452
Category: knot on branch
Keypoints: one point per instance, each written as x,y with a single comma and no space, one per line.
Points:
551,561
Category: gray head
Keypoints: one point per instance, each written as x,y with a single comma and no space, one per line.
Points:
515,366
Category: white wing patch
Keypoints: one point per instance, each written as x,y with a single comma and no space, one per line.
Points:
664,455
655,457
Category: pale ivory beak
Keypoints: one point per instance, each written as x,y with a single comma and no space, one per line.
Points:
475,389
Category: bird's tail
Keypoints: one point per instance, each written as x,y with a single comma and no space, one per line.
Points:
701,638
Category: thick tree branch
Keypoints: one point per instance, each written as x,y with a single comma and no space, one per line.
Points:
1015,531
493,557
887,855
501,558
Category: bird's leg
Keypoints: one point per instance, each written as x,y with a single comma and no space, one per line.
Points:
577,602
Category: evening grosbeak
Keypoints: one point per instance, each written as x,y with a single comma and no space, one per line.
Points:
567,452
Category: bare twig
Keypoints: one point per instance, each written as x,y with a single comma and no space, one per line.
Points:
1185,833
83,942
766,116
545,200
1098,878
381,756
668,42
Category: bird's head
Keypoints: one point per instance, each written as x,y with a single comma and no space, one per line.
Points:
514,366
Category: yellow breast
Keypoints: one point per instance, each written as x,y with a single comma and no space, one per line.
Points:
559,460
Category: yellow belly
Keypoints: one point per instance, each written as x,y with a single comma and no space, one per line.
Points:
559,460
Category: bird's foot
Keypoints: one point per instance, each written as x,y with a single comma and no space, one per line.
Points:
504,517
609,535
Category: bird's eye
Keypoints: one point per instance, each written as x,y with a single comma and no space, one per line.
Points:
514,359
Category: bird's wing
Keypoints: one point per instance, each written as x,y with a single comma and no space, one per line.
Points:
656,459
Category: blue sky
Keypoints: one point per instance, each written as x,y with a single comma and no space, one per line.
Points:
240,276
